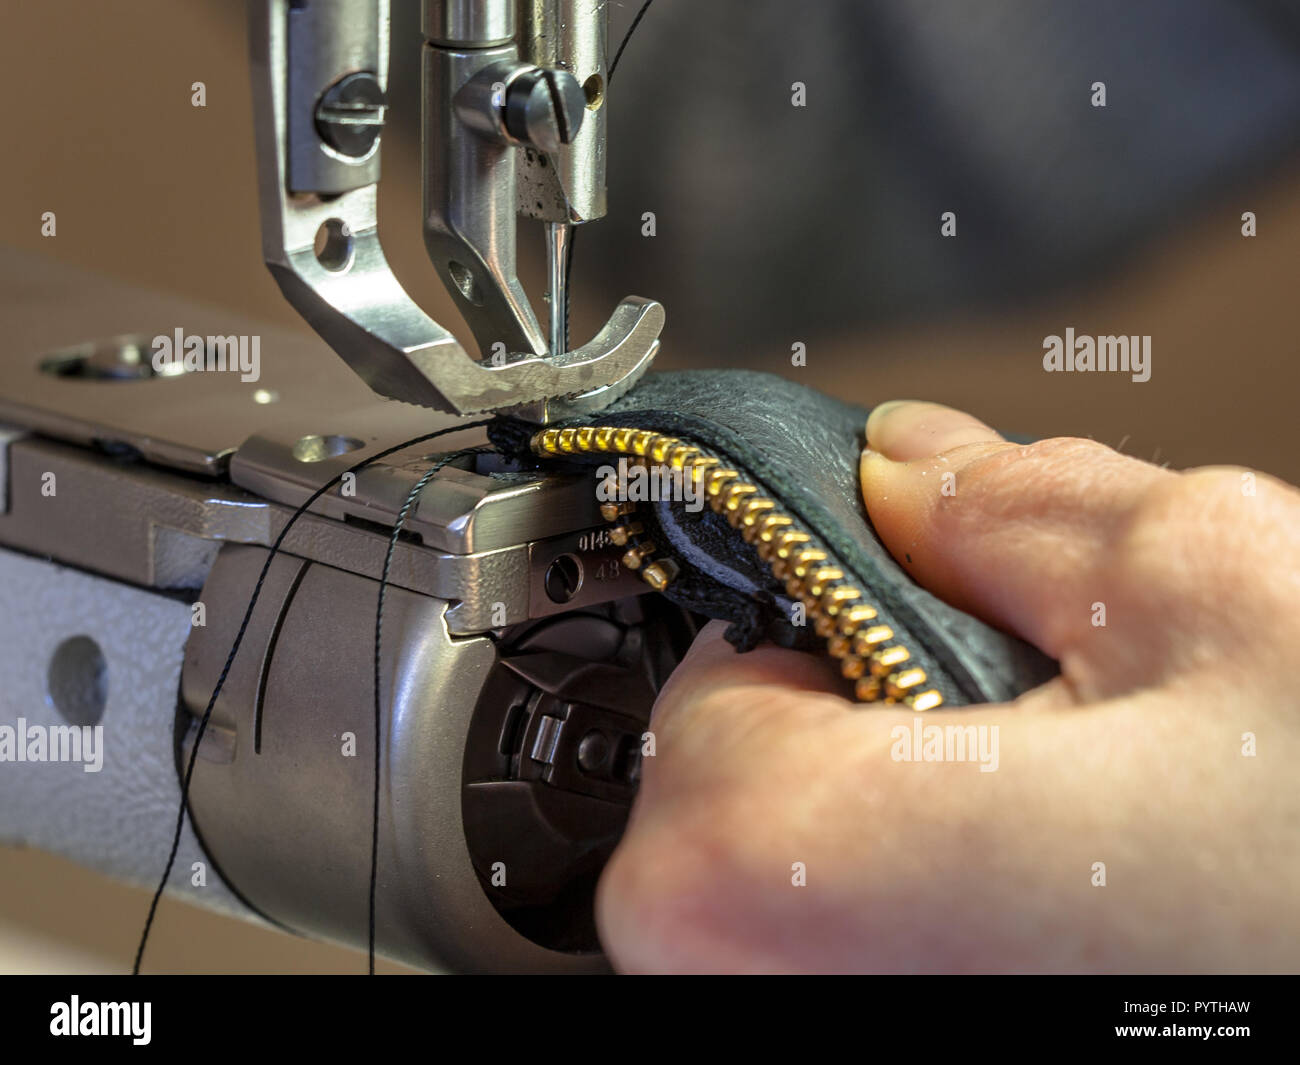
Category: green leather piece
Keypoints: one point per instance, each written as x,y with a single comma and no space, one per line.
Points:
802,447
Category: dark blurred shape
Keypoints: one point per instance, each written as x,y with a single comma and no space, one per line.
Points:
777,221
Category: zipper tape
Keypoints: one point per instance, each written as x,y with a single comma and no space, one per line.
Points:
881,666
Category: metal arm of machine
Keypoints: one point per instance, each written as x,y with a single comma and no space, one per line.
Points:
501,136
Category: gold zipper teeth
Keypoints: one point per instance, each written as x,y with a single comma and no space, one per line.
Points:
838,610
622,534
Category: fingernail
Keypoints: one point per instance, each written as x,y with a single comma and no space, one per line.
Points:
903,430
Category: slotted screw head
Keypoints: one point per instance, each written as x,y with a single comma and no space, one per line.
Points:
350,114
545,108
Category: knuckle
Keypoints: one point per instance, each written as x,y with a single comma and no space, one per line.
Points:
1175,525
1218,499
1014,479
1225,541
1070,450
1055,457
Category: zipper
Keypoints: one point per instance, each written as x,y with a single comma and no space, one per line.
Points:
834,603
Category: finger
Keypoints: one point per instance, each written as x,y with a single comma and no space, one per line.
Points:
842,845
712,663
911,429
716,690
1023,536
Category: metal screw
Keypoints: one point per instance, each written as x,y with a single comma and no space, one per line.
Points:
563,579
350,114
545,108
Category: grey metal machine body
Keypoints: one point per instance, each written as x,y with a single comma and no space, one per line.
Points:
519,665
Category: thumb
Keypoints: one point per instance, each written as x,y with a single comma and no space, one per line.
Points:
1021,536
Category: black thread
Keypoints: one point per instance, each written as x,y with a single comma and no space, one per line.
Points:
420,485
609,80
234,649
573,230
568,273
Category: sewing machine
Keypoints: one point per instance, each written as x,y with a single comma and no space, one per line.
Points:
148,475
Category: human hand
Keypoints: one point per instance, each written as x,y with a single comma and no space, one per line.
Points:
1165,749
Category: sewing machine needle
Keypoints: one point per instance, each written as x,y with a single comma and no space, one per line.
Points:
557,247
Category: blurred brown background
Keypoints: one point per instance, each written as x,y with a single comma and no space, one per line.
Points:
151,190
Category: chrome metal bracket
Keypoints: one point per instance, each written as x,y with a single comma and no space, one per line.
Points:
320,75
